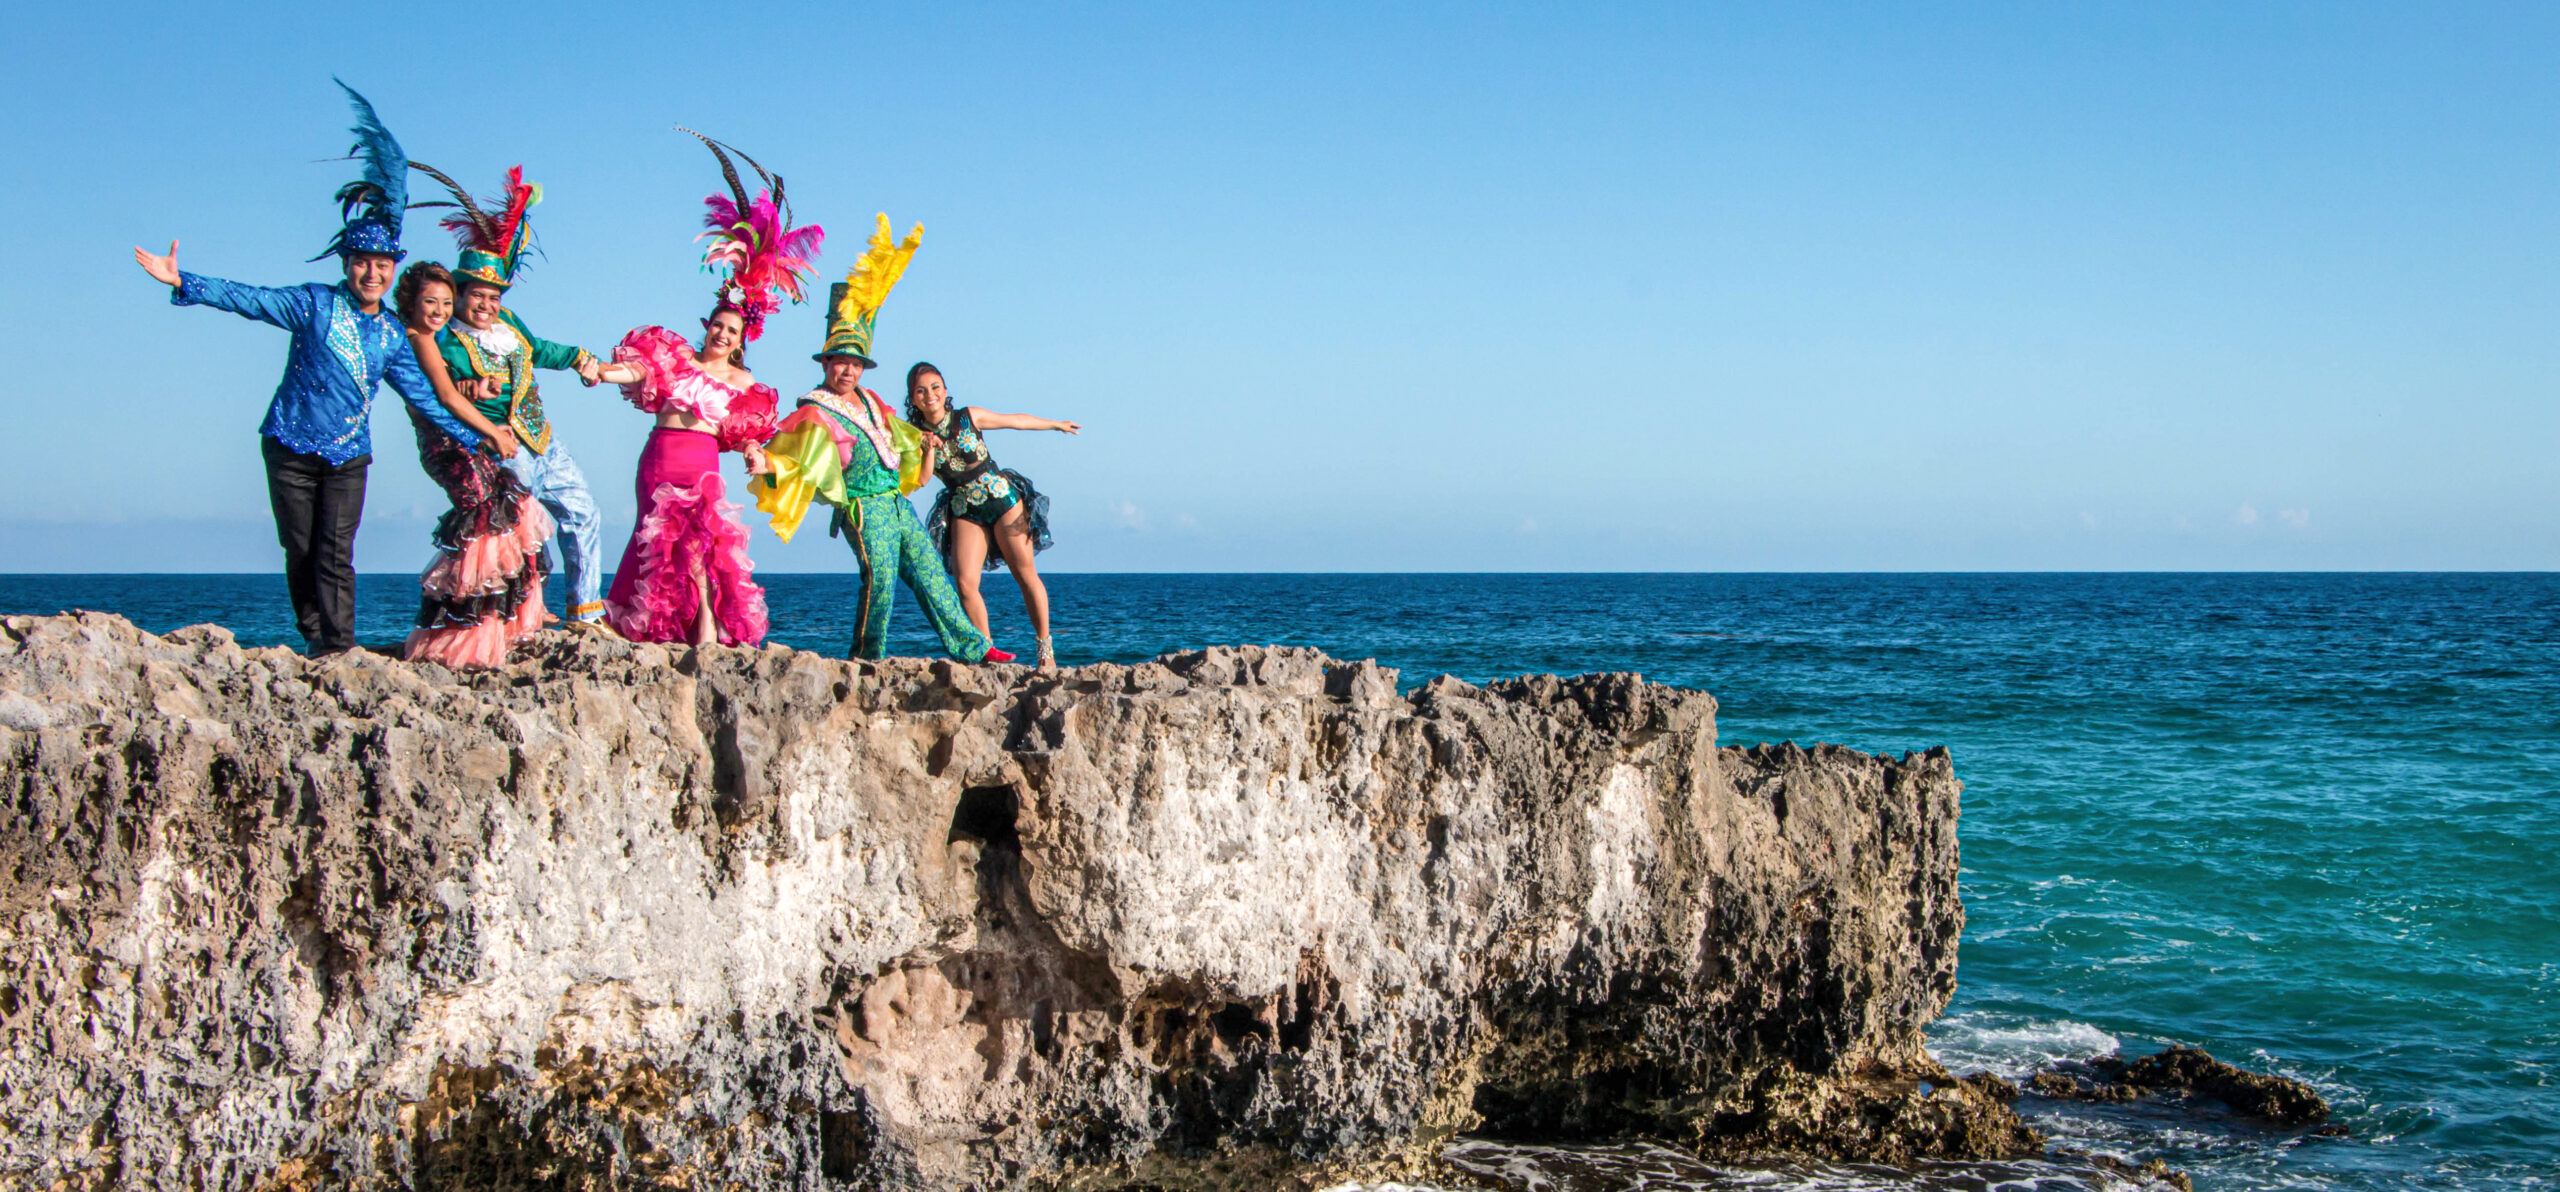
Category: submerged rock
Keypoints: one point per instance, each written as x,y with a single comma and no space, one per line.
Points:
627,917
2186,1073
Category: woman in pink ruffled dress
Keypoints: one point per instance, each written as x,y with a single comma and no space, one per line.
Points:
482,594
686,577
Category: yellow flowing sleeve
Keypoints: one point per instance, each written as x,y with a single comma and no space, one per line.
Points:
805,469
910,443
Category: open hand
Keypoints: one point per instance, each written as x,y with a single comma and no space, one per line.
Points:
163,269
757,463
1064,425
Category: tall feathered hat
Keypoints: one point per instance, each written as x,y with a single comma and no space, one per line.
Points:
766,258
853,304
371,205
494,235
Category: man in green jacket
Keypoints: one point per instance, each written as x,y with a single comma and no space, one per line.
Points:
487,342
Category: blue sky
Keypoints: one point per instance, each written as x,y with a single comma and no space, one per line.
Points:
1836,287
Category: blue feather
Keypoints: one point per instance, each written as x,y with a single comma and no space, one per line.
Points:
385,186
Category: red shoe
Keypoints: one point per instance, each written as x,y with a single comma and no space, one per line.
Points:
996,655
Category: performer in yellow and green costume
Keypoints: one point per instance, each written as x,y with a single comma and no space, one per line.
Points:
842,447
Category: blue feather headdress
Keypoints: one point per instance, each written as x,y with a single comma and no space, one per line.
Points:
373,204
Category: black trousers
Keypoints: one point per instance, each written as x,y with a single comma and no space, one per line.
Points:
317,505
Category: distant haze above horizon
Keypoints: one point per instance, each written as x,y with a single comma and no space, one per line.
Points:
1808,288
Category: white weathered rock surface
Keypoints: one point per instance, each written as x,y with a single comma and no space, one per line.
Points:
626,917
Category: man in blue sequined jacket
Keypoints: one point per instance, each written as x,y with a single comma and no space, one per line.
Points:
317,437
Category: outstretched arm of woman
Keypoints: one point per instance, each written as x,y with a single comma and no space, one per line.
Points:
431,362
990,420
618,372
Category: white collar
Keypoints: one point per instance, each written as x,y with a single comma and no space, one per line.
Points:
498,339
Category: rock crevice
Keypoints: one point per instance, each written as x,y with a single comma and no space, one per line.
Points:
621,916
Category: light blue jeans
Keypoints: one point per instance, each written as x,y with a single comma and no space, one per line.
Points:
562,489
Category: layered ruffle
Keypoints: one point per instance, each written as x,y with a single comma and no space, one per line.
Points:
1035,512
685,527
482,593
670,380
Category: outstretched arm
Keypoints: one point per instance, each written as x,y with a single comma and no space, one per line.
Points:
990,420
286,308
431,364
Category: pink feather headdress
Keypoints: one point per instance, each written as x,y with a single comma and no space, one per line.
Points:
766,258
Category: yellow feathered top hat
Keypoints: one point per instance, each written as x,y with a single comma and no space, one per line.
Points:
854,303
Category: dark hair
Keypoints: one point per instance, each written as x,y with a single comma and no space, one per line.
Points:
921,368
413,281
737,355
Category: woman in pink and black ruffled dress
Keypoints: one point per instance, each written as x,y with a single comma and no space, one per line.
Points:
686,577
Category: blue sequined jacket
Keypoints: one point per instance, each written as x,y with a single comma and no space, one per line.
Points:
339,356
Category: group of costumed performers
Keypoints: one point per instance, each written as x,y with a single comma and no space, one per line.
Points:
463,362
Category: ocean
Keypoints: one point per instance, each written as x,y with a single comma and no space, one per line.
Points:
2304,821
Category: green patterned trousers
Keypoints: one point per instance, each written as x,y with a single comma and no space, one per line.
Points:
891,544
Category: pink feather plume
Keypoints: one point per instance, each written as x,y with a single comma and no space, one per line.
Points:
766,261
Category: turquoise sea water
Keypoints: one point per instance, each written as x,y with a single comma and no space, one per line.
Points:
2307,822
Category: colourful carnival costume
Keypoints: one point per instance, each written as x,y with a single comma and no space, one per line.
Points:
847,451
494,241
973,487
686,521
687,526
482,594
317,438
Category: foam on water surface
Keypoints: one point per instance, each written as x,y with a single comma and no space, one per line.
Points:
2011,1047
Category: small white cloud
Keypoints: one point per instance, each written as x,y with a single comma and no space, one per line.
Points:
2299,519
2247,514
2182,522
1528,525
1184,521
2088,520
1128,516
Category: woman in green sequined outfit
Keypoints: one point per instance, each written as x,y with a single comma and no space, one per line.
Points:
981,504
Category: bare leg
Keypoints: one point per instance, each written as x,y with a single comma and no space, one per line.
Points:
1013,541
706,627
968,561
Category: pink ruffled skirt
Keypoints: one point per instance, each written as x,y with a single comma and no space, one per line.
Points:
687,528
482,593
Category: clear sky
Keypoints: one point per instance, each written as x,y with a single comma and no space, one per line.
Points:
1780,287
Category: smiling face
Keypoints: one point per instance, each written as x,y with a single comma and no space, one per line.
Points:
723,334
432,307
369,275
928,396
844,375
480,305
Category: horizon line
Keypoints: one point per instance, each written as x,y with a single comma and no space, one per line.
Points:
412,575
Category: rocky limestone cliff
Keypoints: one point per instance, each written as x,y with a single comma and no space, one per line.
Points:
627,917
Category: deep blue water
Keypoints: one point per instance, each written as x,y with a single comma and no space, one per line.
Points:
2307,822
